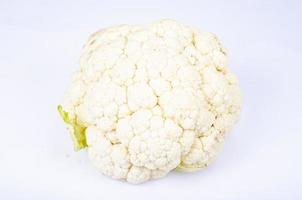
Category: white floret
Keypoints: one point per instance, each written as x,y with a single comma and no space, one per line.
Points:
140,95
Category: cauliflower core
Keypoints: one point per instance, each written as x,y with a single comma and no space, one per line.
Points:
147,100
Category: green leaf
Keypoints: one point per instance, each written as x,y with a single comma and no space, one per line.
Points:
78,132
181,168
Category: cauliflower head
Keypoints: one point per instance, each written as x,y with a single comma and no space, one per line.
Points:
148,100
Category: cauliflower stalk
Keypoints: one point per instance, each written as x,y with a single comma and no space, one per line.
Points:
151,99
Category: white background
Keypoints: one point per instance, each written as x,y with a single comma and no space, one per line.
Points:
40,43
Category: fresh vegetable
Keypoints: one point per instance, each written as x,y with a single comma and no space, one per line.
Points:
148,100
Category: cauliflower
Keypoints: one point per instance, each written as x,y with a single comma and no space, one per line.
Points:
148,100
